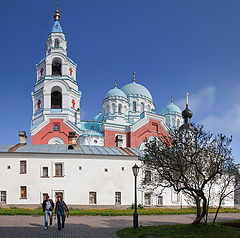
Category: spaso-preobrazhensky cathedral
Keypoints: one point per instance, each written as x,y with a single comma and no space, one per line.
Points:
128,116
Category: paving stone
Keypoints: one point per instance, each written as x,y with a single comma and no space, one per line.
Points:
88,226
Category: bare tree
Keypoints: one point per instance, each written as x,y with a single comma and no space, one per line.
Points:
188,160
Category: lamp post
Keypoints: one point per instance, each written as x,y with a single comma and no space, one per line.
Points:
135,170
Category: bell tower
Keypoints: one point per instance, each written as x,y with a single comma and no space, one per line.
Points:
56,98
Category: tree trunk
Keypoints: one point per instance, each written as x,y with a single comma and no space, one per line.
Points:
202,213
216,214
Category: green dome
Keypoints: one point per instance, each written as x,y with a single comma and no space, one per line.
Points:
171,108
136,89
115,92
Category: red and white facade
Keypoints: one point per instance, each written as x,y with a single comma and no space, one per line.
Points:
128,114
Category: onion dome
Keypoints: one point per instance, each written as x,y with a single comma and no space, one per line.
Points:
115,92
171,108
135,89
187,115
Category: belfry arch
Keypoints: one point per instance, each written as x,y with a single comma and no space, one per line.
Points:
56,98
57,66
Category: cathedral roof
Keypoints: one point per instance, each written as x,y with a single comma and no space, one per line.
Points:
115,92
171,108
136,89
56,27
98,117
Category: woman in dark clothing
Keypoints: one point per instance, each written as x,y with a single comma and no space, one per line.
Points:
60,210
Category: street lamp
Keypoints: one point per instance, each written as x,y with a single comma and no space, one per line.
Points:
135,170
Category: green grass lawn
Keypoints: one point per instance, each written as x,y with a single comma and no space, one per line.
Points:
181,231
112,212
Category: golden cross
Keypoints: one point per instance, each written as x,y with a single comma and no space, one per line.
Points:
187,98
171,99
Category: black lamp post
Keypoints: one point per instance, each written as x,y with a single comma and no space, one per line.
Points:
135,170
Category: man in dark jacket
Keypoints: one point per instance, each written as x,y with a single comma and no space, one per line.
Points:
48,207
60,211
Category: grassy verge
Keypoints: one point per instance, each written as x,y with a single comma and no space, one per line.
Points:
180,231
112,212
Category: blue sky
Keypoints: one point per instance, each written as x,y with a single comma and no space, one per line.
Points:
173,46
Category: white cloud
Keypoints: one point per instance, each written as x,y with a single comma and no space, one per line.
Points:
227,122
203,100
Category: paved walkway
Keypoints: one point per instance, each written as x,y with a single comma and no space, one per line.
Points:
89,226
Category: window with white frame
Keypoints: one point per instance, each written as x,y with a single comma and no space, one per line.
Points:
23,167
134,106
160,200
45,172
175,196
119,108
148,176
58,169
147,199
3,197
59,193
117,198
142,107
23,192
92,198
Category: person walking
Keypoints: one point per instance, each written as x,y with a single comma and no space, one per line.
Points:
60,211
47,206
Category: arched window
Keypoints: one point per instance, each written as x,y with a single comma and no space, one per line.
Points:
125,110
178,122
119,108
56,127
56,43
142,107
134,106
56,67
107,109
113,108
149,108
173,121
56,98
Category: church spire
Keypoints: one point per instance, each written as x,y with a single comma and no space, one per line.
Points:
56,15
56,25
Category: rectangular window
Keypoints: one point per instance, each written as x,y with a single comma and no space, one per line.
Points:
147,199
56,127
154,127
160,200
175,196
58,193
117,198
59,170
44,196
92,198
23,167
3,198
45,172
148,176
23,192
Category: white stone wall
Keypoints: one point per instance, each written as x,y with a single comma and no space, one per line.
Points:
76,184
82,174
